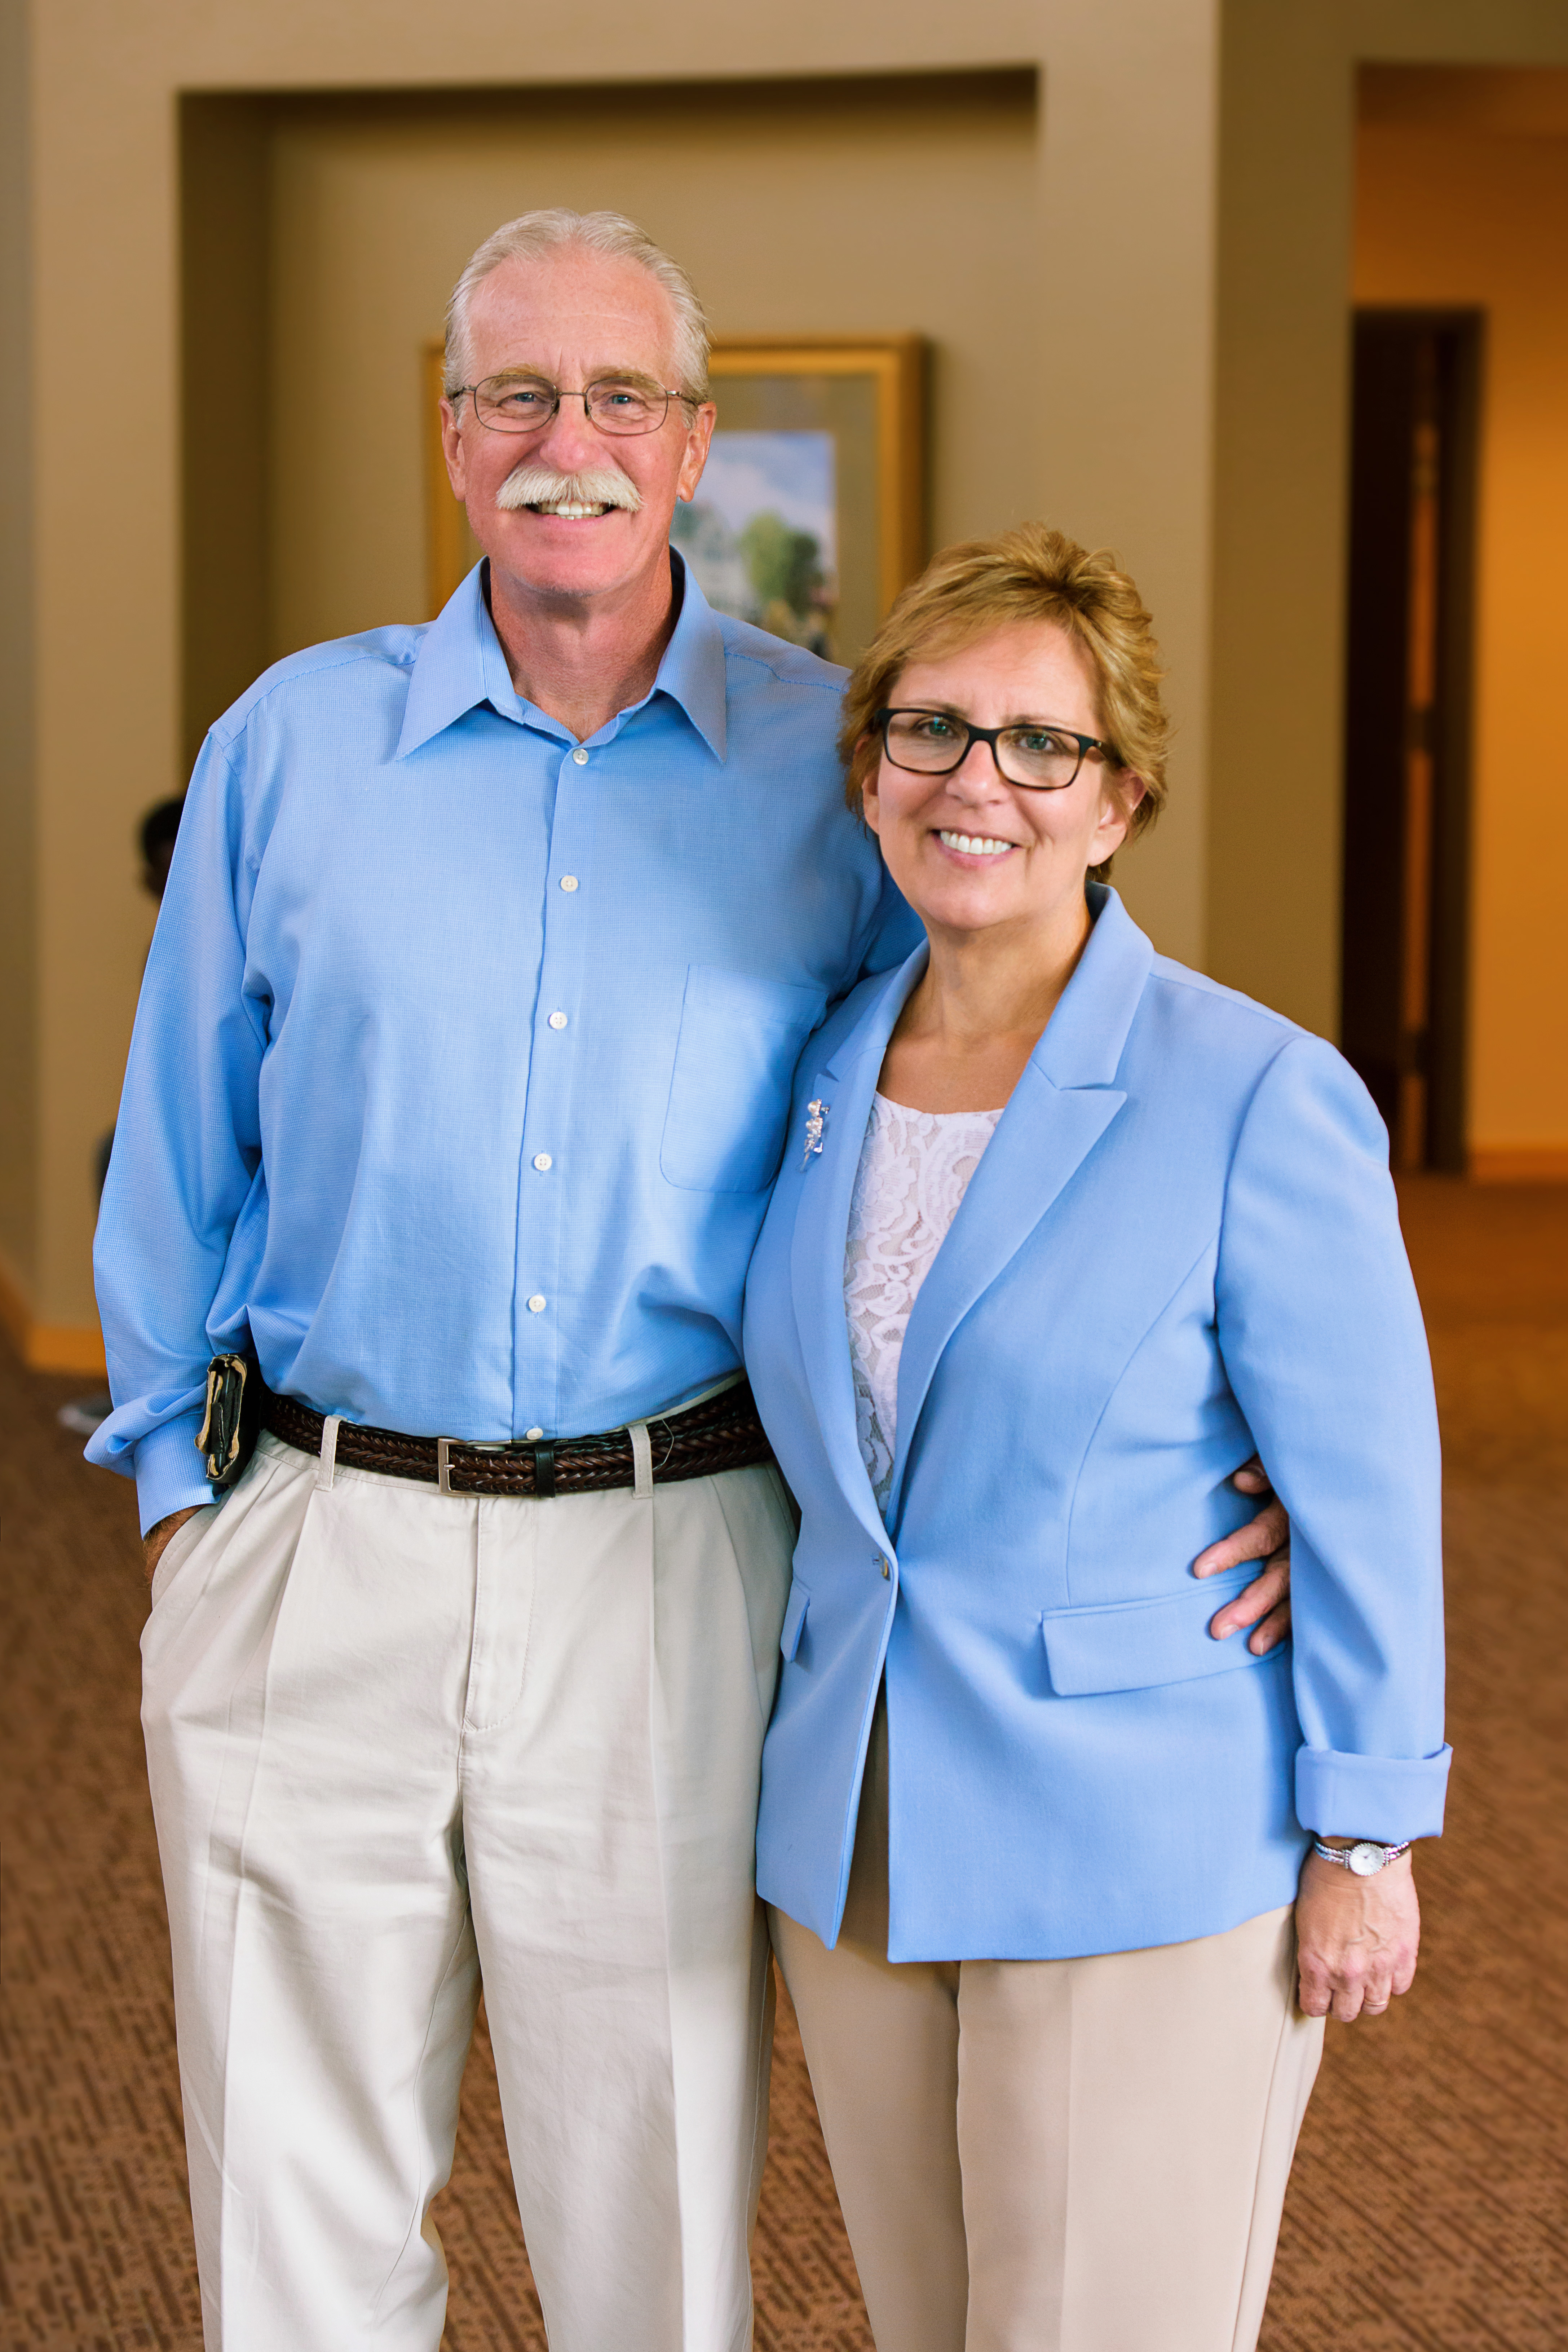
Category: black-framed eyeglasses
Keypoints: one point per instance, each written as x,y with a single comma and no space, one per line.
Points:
1041,758
518,401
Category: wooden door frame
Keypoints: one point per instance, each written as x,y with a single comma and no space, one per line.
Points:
1461,333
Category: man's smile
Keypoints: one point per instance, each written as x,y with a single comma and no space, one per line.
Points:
585,496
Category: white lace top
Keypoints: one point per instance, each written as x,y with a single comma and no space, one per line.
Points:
915,1167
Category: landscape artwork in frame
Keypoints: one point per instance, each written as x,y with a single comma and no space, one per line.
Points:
762,534
810,515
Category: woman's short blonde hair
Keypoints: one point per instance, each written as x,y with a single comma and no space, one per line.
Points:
1028,575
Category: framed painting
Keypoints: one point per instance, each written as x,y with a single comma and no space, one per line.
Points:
810,515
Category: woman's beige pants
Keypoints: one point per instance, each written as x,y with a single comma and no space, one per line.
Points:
396,1737
1054,2156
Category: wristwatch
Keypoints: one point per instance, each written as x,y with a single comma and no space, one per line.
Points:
1365,1860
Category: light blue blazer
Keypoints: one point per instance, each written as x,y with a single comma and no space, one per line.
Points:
1181,1244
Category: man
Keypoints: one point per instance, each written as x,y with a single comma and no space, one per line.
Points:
457,1089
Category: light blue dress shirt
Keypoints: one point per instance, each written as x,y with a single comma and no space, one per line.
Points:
463,1058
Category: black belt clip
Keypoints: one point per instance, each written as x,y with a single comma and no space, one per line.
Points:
227,1439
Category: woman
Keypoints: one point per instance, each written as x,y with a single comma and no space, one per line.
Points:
1064,1231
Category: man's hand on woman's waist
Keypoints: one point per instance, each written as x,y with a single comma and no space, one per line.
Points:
1266,1604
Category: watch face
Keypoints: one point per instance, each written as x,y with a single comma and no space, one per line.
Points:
1366,1860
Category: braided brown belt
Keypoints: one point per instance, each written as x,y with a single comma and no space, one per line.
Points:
723,1432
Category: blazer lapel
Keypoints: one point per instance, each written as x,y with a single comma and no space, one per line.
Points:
844,1087
1062,1104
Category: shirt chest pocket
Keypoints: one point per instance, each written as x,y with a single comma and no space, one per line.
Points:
740,1039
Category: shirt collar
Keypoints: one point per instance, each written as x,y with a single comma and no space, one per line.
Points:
692,670
460,663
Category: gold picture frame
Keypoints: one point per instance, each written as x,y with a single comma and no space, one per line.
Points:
815,486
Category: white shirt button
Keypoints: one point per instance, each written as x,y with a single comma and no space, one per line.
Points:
542,1161
558,1021
531,1435
569,881
536,1303
579,757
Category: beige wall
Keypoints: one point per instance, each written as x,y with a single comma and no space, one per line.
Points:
1282,413
377,206
1450,213
1175,253
18,942
1119,451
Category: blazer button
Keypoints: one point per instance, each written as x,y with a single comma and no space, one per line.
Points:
884,1563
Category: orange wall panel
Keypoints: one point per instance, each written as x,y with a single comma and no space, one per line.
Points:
1448,216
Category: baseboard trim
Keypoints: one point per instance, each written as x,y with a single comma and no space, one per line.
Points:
1519,1163
48,1347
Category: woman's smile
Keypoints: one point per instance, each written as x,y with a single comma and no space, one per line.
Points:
973,845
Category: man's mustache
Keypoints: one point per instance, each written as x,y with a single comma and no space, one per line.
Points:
542,486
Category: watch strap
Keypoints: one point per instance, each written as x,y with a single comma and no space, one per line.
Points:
1365,1848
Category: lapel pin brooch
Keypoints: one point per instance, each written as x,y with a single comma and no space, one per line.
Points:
816,1120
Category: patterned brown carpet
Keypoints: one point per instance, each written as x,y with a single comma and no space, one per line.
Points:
1428,2211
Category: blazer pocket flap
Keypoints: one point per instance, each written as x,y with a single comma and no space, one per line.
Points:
794,1618
1135,1645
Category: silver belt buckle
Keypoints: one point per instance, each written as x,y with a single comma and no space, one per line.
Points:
471,1446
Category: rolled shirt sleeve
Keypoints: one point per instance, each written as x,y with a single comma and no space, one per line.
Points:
187,1154
1324,1346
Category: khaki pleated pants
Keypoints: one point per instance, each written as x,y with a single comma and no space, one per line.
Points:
1054,2156
397,1738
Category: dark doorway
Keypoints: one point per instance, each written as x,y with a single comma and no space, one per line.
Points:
1407,711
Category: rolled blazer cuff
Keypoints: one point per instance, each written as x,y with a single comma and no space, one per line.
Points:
1390,1797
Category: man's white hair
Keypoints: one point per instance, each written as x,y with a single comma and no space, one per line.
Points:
611,233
